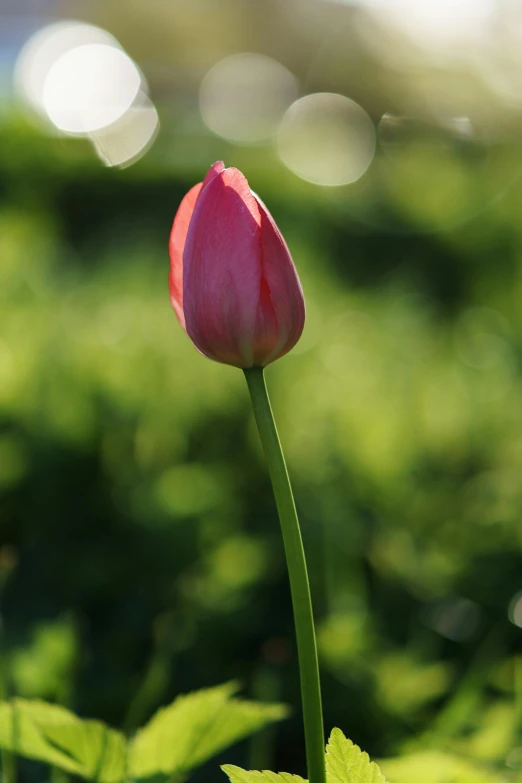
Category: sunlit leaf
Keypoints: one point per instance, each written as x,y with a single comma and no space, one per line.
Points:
20,732
238,775
347,763
53,735
100,751
194,728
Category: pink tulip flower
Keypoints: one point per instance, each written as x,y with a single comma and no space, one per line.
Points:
233,284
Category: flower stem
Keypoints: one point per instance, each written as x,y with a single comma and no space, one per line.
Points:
299,586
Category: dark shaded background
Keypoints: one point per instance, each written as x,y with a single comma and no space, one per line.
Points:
140,552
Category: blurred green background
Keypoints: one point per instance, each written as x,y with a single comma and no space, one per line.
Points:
140,551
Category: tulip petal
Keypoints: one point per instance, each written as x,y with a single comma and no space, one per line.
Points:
222,270
178,237
281,314
176,245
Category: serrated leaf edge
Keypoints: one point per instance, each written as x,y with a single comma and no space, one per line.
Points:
337,750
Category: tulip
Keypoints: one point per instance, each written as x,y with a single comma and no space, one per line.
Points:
233,284
235,290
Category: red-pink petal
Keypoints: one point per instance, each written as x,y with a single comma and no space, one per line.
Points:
281,310
176,245
213,171
178,237
233,282
222,270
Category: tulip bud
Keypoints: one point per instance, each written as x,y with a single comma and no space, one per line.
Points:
233,284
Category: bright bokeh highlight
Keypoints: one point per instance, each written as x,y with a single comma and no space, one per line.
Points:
45,48
129,138
78,78
79,97
326,139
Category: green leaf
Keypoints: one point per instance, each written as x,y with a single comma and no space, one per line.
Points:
178,737
238,775
20,732
100,751
53,735
346,762
193,729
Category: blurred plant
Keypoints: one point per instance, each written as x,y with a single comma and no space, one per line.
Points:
45,667
438,767
173,743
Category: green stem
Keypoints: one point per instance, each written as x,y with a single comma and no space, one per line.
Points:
296,562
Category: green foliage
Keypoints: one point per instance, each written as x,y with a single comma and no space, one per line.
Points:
405,684
176,740
130,488
193,729
44,667
345,763
238,775
53,735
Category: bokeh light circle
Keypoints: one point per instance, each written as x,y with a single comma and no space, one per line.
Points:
128,139
45,47
326,139
90,87
243,97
